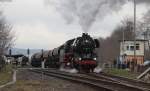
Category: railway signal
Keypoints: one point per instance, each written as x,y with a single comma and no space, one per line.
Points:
28,51
43,62
10,52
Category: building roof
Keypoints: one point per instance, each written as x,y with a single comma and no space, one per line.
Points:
15,56
133,40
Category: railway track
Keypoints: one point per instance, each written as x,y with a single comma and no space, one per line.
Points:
122,80
97,82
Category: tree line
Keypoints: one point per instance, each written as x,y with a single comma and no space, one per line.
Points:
110,47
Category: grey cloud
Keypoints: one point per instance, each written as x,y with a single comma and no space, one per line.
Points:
5,0
143,1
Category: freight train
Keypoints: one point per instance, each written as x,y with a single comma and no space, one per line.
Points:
78,53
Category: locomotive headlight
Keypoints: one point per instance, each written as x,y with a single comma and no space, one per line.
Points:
68,63
94,58
80,59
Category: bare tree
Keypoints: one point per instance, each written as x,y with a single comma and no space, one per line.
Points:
110,47
6,37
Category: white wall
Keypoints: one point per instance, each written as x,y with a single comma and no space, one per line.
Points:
125,50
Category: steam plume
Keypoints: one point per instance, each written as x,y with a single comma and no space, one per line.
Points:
87,11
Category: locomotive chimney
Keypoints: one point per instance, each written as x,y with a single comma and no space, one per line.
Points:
84,34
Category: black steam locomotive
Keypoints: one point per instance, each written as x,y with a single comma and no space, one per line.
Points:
76,53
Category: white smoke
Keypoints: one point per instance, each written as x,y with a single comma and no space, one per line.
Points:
68,70
86,12
98,70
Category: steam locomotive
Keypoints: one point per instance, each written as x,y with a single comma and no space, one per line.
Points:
78,53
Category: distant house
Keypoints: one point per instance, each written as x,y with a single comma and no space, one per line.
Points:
18,59
127,51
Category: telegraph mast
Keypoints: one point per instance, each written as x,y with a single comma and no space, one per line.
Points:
134,30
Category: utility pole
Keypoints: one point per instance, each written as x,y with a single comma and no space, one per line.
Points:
123,39
123,47
10,52
42,73
144,42
28,53
146,36
134,30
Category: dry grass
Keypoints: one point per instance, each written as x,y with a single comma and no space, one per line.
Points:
23,85
29,81
6,75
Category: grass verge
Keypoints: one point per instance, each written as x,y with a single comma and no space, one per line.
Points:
121,72
6,75
26,85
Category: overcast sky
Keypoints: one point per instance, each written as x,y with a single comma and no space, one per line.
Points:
37,25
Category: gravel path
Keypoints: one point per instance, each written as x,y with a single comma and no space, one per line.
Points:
30,81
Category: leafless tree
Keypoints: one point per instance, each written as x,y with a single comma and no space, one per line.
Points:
110,47
6,37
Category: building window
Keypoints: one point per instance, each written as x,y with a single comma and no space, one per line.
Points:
137,46
132,48
128,48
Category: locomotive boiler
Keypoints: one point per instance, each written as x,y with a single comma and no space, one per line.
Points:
78,53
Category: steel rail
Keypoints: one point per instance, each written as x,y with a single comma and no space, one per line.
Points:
101,83
123,80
